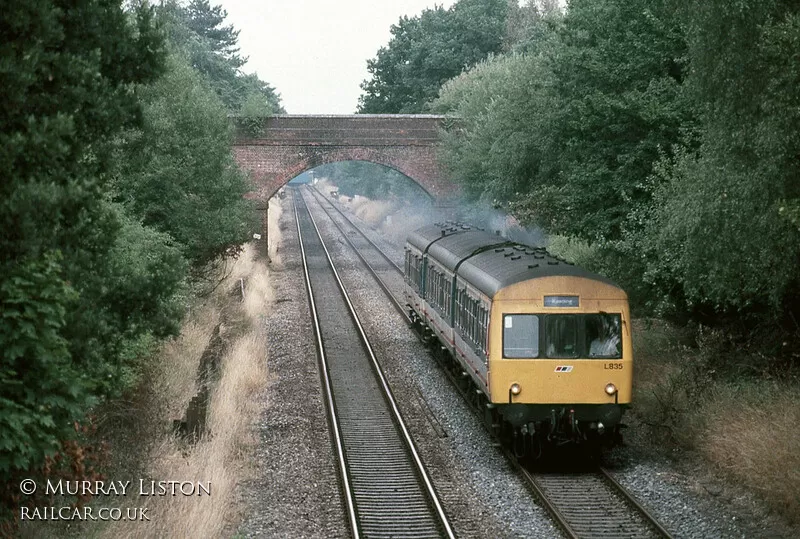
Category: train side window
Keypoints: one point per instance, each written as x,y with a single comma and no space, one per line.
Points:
433,281
561,336
460,294
446,294
520,336
473,319
443,293
484,329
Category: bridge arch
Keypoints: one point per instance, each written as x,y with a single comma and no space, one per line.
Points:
375,157
288,145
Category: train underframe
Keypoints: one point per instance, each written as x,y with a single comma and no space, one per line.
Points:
532,430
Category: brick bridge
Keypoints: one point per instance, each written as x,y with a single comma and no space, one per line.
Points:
291,144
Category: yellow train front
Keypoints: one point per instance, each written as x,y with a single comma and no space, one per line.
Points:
541,346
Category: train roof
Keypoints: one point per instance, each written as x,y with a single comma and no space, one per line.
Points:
490,262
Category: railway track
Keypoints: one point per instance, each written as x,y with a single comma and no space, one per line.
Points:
586,504
592,504
387,491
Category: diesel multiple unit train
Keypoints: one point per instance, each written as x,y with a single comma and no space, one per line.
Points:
541,346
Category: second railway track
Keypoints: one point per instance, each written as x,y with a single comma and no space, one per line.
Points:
386,488
588,504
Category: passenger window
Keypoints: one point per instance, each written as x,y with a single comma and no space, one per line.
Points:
561,336
520,336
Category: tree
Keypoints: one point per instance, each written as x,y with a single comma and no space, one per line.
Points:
429,49
528,24
618,78
197,32
498,143
206,22
67,74
720,237
177,172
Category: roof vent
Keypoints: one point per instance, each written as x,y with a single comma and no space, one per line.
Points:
552,262
533,266
516,257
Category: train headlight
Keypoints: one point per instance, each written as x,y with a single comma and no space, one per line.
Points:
515,389
611,389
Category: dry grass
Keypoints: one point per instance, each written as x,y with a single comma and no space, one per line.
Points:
747,429
179,360
221,456
752,435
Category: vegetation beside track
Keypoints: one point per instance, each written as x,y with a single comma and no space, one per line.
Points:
225,328
709,397
120,199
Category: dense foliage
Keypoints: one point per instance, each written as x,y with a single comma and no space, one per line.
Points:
176,173
118,180
427,50
661,138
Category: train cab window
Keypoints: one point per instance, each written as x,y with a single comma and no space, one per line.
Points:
561,336
520,336
602,334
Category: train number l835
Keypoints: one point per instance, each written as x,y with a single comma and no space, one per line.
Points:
613,366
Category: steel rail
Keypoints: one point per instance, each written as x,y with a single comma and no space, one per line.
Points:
631,500
369,266
330,405
319,195
530,478
386,390
530,481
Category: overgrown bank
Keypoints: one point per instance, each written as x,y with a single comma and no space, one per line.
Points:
696,390
222,351
214,369
120,196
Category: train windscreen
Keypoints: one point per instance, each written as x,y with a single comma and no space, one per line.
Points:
562,336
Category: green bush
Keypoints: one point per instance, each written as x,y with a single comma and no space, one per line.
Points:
177,173
43,391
